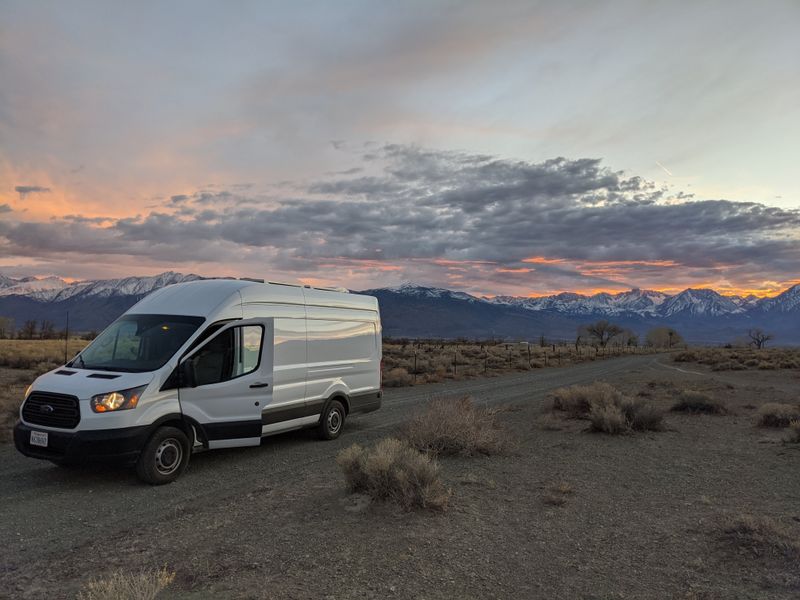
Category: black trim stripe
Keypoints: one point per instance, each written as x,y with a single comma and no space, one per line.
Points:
280,414
232,430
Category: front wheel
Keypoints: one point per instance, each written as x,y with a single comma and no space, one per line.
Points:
332,421
165,456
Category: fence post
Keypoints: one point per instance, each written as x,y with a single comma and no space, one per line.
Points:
415,366
455,362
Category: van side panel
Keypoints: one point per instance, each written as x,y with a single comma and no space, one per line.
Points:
343,353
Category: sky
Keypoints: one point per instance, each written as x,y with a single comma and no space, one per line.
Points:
522,148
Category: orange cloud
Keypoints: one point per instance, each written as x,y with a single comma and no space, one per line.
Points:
543,260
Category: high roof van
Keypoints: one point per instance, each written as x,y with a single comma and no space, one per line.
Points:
203,365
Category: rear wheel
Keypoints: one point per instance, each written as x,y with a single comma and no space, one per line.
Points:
165,456
332,421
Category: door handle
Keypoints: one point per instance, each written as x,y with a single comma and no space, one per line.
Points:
259,385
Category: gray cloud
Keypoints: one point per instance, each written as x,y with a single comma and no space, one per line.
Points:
459,215
5,208
24,190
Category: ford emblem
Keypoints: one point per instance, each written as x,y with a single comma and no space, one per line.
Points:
46,408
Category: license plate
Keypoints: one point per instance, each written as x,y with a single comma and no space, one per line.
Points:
39,438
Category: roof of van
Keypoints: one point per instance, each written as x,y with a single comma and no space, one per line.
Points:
205,296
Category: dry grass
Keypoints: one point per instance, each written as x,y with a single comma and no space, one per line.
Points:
793,435
145,585
578,400
698,402
397,377
456,426
436,360
774,414
37,354
558,494
12,390
739,359
394,470
760,536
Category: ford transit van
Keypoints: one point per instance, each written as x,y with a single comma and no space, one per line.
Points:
207,364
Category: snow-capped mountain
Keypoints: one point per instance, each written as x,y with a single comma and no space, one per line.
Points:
700,302
785,302
28,286
411,289
54,289
643,302
411,310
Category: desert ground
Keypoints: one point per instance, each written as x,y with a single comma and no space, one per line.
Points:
705,506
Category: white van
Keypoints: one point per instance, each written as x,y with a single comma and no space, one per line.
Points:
207,364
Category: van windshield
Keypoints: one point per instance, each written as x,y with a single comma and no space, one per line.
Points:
137,343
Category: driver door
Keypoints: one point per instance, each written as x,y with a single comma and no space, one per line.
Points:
228,382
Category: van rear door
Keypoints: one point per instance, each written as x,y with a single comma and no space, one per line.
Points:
229,382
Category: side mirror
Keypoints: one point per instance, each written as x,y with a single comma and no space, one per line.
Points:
186,376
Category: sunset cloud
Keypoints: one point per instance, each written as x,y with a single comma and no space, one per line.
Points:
439,214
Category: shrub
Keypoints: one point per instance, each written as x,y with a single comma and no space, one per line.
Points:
607,417
642,416
397,377
793,436
698,402
774,414
456,426
607,409
394,470
145,585
761,536
577,400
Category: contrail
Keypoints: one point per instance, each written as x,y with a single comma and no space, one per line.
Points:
666,170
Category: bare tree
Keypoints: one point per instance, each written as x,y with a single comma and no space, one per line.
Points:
663,337
28,330
759,337
6,327
603,331
47,330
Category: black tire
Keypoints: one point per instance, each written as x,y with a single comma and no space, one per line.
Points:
331,422
164,457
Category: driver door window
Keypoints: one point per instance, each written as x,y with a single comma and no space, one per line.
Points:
231,354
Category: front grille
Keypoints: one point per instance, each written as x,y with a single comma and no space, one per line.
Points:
52,410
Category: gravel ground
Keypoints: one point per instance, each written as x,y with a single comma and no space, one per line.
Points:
642,520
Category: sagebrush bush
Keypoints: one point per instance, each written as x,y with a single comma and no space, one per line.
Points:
760,536
397,377
793,435
607,417
642,416
738,359
456,426
393,470
698,402
577,400
607,409
774,414
121,585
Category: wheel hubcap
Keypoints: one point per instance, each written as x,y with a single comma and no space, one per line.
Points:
334,421
168,456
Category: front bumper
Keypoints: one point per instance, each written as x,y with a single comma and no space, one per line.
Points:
108,445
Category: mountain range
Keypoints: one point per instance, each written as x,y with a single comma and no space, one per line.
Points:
409,310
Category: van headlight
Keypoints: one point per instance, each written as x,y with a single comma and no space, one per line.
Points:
122,400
